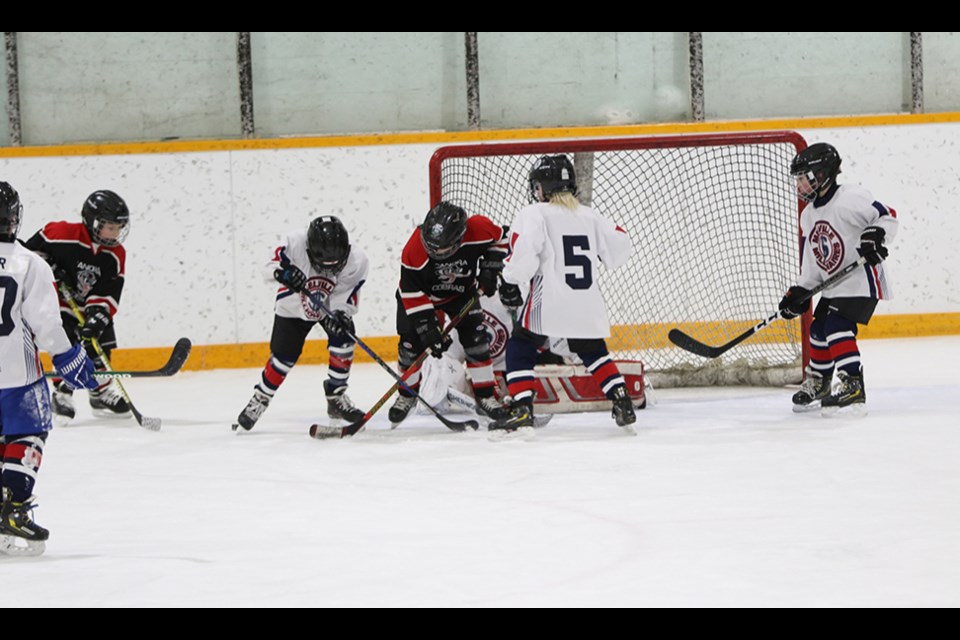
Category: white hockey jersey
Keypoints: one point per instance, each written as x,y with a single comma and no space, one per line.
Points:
30,315
340,292
558,251
830,237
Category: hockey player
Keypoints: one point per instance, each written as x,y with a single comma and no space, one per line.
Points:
563,384
556,246
836,220
443,264
88,257
31,321
320,260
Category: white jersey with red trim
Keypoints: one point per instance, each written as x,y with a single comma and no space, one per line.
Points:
831,227
558,251
29,315
340,292
498,322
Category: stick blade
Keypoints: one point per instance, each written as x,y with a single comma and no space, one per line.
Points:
325,432
692,345
150,424
181,351
329,432
458,426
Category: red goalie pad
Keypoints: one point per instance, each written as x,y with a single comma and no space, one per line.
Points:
571,388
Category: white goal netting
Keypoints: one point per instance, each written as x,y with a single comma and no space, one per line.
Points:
714,222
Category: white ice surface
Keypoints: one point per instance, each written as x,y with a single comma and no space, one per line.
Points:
725,498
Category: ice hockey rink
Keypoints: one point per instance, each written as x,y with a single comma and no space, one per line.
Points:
725,498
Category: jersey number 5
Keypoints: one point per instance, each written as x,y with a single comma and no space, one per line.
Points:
583,277
8,289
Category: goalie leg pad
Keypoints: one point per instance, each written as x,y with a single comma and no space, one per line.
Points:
571,388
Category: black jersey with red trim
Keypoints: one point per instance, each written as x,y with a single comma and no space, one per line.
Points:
95,273
426,283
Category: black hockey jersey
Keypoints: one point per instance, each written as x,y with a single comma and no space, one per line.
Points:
426,283
94,273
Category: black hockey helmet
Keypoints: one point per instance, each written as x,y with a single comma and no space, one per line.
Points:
11,212
328,244
819,164
106,207
443,229
552,174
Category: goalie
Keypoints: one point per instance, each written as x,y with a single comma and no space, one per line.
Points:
562,384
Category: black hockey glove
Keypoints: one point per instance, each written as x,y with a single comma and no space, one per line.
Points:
871,245
791,305
431,338
60,274
96,320
338,324
510,295
488,275
291,277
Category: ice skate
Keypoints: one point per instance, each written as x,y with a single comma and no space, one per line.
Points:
19,534
252,412
850,398
62,403
491,408
108,402
340,407
516,425
623,411
814,389
401,409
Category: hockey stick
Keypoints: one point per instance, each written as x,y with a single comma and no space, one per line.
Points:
153,424
463,400
693,345
321,431
179,355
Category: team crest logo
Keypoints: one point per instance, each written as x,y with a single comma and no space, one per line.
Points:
498,333
87,276
827,246
320,286
447,273
436,230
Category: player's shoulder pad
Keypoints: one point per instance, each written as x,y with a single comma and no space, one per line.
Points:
855,195
480,228
414,254
63,231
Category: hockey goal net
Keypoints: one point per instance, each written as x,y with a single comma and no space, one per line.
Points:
714,220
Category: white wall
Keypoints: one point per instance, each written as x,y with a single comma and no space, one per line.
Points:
205,222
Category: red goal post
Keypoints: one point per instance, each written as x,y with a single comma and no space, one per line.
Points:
714,219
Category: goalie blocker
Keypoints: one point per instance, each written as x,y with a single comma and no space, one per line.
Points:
568,388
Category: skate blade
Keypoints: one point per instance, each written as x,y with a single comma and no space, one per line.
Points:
629,429
61,421
17,547
106,413
542,420
523,434
806,408
858,410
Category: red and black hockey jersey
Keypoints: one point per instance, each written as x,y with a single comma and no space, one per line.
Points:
94,273
426,283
